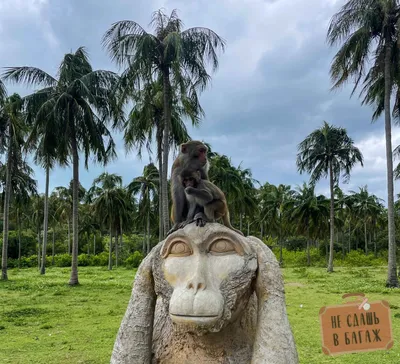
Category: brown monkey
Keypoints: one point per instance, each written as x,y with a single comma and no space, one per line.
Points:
193,155
205,193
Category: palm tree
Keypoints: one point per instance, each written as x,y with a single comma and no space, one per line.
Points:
44,140
308,212
37,218
23,187
328,151
146,185
275,203
12,140
110,201
246,205
146,119
177,57
368,207
368,30
77,104
63,210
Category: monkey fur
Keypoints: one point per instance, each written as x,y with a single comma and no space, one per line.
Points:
206,194
193,155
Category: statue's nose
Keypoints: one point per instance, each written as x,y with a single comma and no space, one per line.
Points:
196,285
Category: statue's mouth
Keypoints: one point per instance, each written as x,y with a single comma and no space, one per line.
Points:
203,319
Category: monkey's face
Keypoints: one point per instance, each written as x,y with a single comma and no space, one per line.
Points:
189,182
210,271
196,151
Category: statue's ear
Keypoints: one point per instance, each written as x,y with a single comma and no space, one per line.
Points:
134,339
274,342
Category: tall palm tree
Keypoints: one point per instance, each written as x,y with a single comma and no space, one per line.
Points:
368,30
146,186
37,218
178,57
43,140
328,151
146,119
78,103
12,140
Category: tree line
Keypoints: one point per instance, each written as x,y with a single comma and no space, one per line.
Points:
163,73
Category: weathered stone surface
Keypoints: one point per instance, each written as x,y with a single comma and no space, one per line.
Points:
207,295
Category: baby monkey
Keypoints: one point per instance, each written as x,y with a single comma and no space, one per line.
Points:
202,192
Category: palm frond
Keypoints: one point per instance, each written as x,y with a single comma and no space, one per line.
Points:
29,76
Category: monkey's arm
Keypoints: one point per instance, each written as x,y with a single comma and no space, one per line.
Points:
192,209
134,338
201,194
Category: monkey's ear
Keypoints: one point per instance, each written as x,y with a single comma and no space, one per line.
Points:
184,148
274,342
134,339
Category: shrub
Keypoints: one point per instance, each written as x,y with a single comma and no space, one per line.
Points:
62,260
84,260
357,258
134,260
101,259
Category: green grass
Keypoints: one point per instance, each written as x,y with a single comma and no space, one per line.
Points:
43,320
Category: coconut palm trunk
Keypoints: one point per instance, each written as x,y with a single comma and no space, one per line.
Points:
6,211
167,125
45,222
19,237
75,186
121,240
349,236
69,237
332,219
53,249
116,248
392,280
308,245
160,184
38,247
365,237
110,249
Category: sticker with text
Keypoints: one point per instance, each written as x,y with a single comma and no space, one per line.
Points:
356,326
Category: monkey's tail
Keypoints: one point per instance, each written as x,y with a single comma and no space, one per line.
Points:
227,223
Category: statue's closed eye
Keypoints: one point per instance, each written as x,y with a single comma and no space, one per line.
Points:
179,249
222,246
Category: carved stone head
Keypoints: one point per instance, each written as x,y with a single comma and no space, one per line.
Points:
207,295
210,271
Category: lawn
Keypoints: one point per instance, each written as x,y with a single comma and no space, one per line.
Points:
43,320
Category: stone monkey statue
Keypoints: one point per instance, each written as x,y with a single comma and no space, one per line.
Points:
207,295
206,194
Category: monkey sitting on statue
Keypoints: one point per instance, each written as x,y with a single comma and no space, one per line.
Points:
193,154
200,192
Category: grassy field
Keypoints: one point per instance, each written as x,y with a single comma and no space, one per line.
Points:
43,320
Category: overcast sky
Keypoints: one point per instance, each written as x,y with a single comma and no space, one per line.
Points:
271,90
